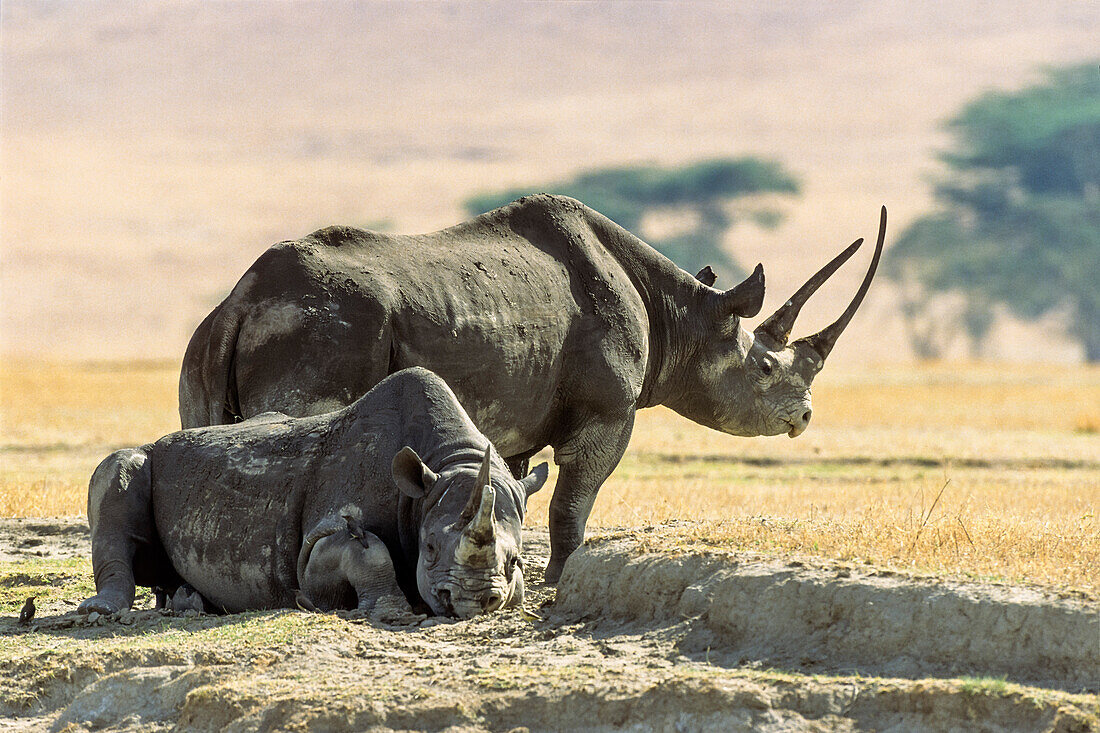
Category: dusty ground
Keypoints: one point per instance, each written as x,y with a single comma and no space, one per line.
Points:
645,633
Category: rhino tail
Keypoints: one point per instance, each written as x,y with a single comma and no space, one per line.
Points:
208,385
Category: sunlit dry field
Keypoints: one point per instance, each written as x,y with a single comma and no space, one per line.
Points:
974,470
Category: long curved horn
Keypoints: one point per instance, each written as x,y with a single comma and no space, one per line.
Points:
779,324
475,495
822,342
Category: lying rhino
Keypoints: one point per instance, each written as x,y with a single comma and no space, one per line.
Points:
276,511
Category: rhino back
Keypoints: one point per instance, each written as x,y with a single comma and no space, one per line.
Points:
512,309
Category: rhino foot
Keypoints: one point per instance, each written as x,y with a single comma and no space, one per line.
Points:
553,572
104,604
185,599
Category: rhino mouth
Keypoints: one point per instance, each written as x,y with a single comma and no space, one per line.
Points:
457,602
795,430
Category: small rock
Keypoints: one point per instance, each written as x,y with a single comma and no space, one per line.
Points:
93,617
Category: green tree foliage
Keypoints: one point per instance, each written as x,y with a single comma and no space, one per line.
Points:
626,194
1019,209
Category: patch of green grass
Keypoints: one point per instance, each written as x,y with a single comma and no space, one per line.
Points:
52,580
985,686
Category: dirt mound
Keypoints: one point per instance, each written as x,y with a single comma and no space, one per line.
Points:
635,640
821,618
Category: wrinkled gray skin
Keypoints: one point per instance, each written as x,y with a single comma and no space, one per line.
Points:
552,324
265,512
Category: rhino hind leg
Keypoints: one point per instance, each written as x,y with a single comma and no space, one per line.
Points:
346,569
125,546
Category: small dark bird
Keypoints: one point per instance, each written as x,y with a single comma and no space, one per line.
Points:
27,613
303,602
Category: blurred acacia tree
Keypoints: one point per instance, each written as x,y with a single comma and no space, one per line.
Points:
628,194
1019,213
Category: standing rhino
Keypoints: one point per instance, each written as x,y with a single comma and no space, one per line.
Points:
552,324
277,510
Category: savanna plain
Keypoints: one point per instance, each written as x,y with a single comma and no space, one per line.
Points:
948,494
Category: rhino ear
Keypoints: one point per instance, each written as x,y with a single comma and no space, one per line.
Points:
533,481
412,477
706,276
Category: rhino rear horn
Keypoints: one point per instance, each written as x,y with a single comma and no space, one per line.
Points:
482,527
779,324
483,480
745,299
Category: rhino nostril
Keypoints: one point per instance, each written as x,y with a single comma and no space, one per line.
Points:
806,417
444,597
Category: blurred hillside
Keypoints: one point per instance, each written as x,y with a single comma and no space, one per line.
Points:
151,151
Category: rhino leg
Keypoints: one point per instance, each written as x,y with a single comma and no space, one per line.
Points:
124,537
586,459
345,568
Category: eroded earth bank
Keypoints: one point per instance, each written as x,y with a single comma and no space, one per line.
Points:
647,631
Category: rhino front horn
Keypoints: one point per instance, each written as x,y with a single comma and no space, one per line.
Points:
482,530
779,324
823,341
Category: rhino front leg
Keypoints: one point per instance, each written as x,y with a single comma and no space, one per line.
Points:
586,460
121,520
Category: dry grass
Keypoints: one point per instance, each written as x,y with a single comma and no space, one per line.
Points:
958,469
57,422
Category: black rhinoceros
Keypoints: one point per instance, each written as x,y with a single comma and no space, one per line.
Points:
257,514
552,324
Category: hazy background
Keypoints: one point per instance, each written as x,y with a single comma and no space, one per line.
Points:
151,151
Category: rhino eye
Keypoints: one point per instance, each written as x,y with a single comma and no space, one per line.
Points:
766,367
431,552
